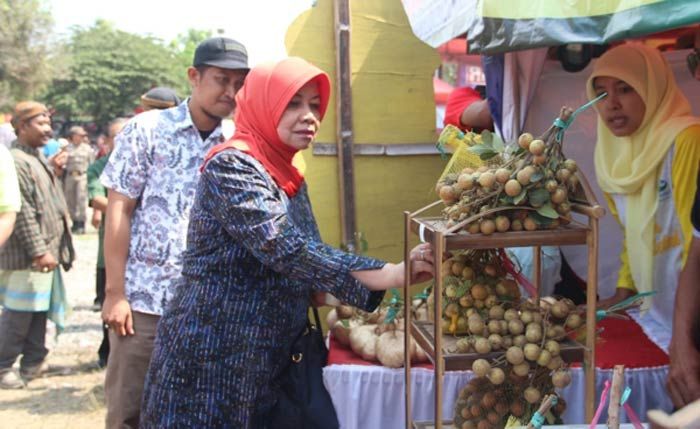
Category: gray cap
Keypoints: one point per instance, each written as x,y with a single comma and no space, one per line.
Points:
160,97
221,52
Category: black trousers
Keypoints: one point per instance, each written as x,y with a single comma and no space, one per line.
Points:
22,333
100,280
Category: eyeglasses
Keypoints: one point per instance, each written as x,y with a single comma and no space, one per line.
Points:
693,60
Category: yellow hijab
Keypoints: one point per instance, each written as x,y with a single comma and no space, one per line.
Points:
632,165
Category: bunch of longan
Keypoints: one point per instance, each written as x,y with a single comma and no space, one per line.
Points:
529,191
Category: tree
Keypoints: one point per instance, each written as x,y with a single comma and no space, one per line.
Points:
183,47
107,71
25,29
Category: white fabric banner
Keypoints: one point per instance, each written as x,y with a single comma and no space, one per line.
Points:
368,397
520,82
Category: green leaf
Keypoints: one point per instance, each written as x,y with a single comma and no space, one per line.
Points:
515,150
484,152
537,176
541,220
507,200
547,210
345,322
463,288
520,197
363,245
498,144
538,197
481,148
487,138
488,155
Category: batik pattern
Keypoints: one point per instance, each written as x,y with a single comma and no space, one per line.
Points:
156,161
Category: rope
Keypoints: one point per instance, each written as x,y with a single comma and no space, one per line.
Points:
394,305
629,302
564,124
537,420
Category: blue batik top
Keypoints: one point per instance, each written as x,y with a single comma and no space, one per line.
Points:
253,259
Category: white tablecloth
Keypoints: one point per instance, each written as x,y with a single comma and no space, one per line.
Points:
368,397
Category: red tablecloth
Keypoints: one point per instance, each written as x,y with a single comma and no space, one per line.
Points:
622,342
342,355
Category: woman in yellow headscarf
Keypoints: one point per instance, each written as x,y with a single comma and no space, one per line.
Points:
646,161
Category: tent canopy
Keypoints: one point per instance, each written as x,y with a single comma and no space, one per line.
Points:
494,26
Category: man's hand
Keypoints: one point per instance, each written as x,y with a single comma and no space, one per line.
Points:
683,382
45,263
96,218
116,312
58,162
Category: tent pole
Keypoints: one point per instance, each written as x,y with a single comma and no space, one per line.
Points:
344,131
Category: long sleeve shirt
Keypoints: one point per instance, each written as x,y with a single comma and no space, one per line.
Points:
253,259
40,226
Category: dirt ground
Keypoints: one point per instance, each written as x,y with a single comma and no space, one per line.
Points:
72,396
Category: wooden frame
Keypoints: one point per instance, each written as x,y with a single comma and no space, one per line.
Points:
344,126
442,239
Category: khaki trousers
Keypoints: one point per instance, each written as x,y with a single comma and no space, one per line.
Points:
127,365
75,191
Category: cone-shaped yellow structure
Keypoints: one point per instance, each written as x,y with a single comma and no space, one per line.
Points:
392,95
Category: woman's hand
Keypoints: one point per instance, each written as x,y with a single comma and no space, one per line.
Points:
422,252
621,294
392,275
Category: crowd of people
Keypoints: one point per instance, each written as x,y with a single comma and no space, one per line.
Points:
154,182
210,255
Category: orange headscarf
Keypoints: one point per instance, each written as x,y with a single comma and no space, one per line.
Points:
267,91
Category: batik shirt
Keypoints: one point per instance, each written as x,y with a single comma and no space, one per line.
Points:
156,161
253,259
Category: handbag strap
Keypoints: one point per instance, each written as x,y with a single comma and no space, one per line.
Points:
317,319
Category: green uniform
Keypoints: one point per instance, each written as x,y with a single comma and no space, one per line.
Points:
95,189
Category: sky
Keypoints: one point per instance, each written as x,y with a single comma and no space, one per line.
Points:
259,24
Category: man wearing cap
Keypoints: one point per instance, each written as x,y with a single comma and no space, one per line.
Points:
80,156
151,179
29,261
159,97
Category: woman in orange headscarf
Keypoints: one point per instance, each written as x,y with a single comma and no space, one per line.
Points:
646,161
254,258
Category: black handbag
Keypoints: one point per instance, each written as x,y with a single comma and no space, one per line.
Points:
304,402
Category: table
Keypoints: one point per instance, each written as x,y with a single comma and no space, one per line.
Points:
368,396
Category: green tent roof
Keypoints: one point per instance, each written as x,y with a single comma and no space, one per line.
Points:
494,26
